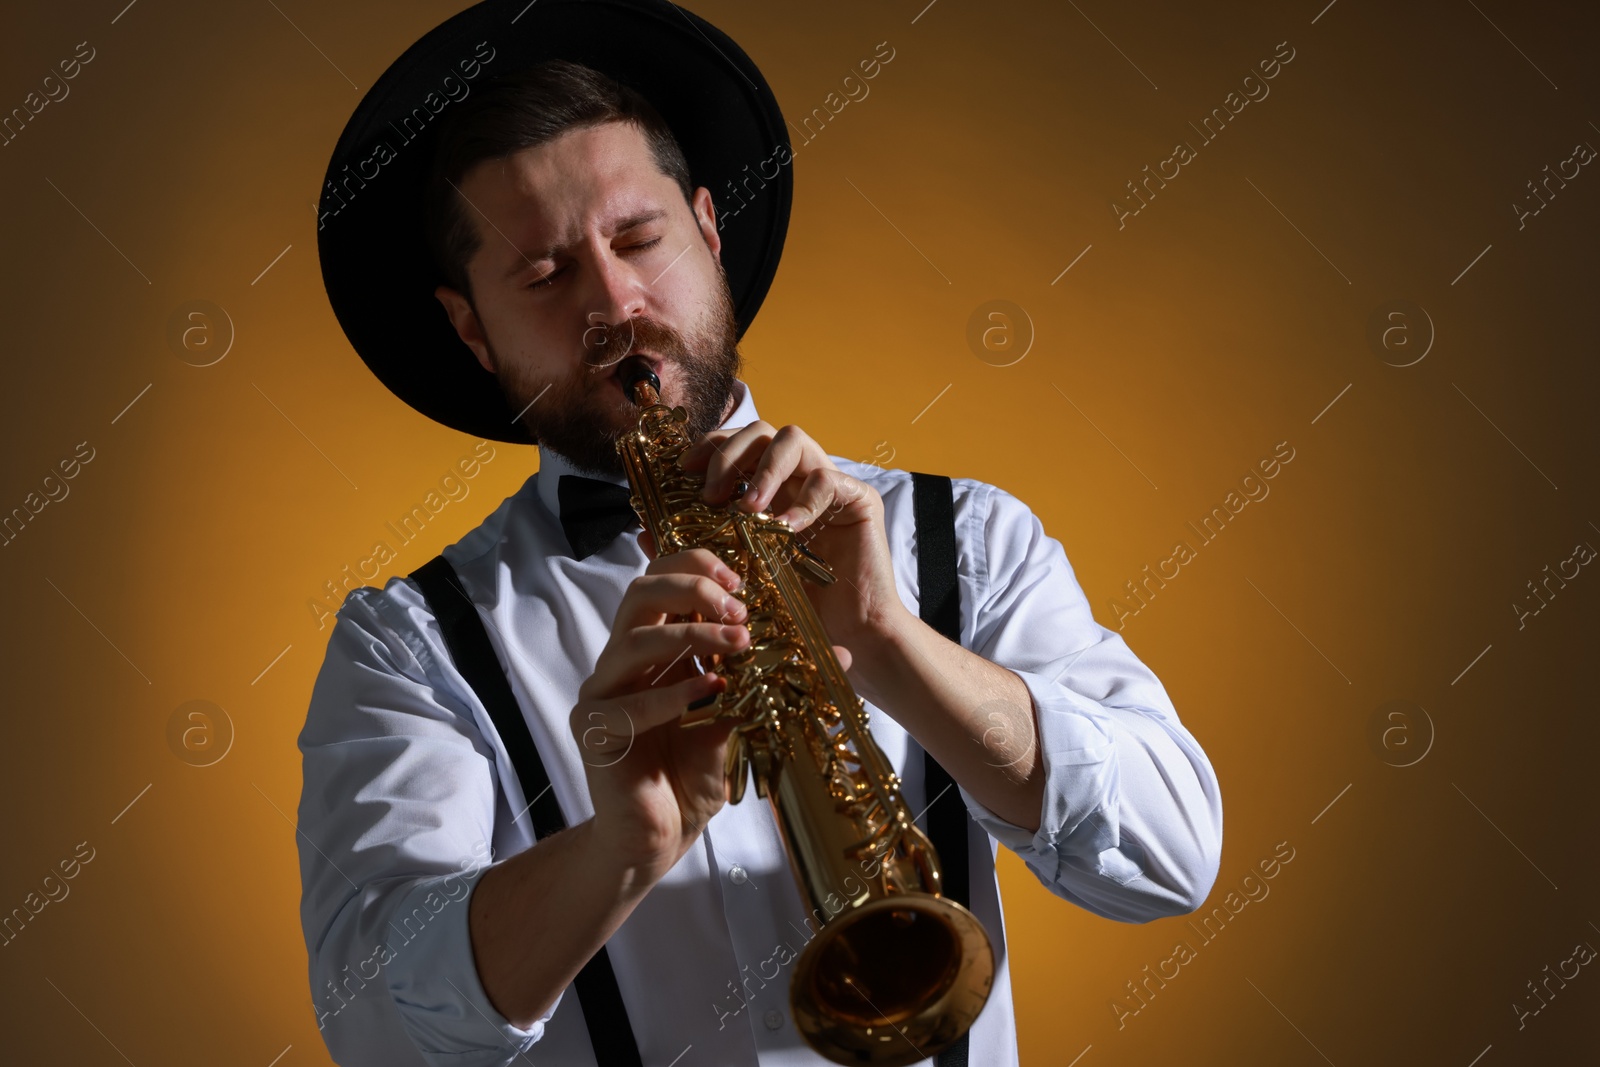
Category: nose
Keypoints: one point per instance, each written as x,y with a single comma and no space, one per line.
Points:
620,294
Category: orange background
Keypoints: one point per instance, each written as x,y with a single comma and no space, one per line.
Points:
1222,319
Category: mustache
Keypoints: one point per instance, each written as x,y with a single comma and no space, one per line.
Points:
605,346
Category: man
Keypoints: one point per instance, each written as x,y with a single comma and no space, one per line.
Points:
567,234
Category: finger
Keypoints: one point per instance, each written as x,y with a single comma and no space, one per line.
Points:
843,656
651,598
735,458
688,561
694,561
818,494
791,451
665,705
829,494
658,655
696,456
609,726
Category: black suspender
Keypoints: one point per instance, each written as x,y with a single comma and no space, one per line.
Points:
939,605
459,623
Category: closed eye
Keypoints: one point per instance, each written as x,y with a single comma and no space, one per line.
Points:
540,283
643,246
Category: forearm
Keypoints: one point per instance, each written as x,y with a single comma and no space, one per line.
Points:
537,918
975,717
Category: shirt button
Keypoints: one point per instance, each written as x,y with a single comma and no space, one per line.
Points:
773,1019
737,875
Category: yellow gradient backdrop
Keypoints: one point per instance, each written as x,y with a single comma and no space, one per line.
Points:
1228,318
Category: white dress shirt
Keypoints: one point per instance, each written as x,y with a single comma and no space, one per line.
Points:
408,789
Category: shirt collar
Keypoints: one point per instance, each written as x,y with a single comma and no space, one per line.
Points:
552,464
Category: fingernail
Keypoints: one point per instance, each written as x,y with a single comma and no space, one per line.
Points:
734,633
732,608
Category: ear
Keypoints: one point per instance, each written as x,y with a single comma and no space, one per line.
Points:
705,214
465,320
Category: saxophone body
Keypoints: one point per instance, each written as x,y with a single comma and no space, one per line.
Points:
896,973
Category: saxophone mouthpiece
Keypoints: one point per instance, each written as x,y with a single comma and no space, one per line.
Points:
636,374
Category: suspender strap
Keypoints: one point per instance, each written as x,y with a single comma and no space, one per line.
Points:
933,503
462,628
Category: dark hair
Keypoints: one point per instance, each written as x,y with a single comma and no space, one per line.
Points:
522,110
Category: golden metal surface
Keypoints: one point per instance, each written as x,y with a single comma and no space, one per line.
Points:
895,973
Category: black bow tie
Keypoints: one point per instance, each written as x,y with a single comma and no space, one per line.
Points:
593,513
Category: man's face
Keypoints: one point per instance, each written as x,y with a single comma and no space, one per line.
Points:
587,254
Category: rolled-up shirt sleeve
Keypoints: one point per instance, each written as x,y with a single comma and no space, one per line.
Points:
1131,824
396,822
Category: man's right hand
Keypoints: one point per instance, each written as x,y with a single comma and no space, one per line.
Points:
654,785
536,918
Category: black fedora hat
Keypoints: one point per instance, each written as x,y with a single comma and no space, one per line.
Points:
376,266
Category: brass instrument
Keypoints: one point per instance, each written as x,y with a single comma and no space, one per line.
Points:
896,972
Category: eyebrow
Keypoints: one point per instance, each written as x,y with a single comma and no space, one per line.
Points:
527,257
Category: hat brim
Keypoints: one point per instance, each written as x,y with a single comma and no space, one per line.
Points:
376,268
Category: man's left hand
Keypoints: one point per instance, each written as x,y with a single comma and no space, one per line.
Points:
933,687
838,517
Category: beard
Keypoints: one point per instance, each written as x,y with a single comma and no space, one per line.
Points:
582,417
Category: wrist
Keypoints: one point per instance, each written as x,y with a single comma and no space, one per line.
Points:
623,857
879,653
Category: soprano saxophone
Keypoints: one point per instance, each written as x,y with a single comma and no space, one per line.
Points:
896,973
